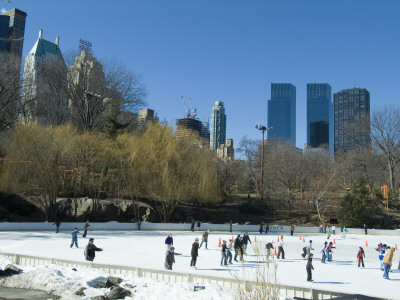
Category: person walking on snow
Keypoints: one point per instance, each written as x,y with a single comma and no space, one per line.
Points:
387,262
194,253
223,254
169,241
90,250
280,248
360,257
204,238
75,238
169,259
309,267
246,240
86,228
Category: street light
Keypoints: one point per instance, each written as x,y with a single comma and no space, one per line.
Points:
263,129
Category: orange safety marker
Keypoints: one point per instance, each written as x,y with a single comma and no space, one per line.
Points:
278,238
334,242
232,238
219,243
255,238
300,237
304,240
395,247
274,250
366,243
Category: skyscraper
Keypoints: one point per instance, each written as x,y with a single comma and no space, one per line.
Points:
46,103
4,31
282,112
218,125
352,119
16,32
319,116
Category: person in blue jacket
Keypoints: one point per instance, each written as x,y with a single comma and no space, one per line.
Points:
75,238
169,241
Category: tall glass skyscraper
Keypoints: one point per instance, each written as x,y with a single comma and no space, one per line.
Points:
319,116
16,32
352,119
282,112
4,31
217,125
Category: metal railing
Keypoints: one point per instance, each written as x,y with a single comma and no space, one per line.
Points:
170,276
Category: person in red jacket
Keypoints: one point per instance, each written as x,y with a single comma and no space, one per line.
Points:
360,256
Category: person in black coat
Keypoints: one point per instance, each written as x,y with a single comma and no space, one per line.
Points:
261,228
223,254
309,267
246,240
236,245
194,253
192,226
169,259
90,250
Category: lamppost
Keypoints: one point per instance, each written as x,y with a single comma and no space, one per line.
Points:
263,129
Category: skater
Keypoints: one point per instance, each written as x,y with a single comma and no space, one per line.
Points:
238,247
269,247
230,226
223,253
309,267
204,238
325,228
266,229
345,232
169,241
261,228
360,257
192,225
194,253
75,238
169,259
57,223
329,232
280,248
321,228
387,262
307,250
330,252
323,251
229,252
86,228
90,250
333,229
246,240
138,224
365,229
382,252
291,229
198,225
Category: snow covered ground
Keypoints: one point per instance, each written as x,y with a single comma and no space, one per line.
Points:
146,249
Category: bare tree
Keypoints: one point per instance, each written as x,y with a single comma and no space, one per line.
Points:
385,133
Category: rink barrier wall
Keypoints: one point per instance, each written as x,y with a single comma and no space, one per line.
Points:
34,226
170,276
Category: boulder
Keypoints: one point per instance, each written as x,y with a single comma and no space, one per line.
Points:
118,292
98,298
113,281
80,292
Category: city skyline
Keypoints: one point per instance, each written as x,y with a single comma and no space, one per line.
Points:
236,55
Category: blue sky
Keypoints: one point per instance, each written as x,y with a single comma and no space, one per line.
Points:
231,51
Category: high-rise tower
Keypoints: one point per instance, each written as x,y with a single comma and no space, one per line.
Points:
4,32
16,32
282,112
319,116
352,119
218,125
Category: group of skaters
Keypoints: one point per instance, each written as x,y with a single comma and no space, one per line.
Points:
385,255
331,230
90,248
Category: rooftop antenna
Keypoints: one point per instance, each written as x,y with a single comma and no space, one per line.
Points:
85,46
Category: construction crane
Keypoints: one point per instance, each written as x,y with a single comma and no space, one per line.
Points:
194,113
186,108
